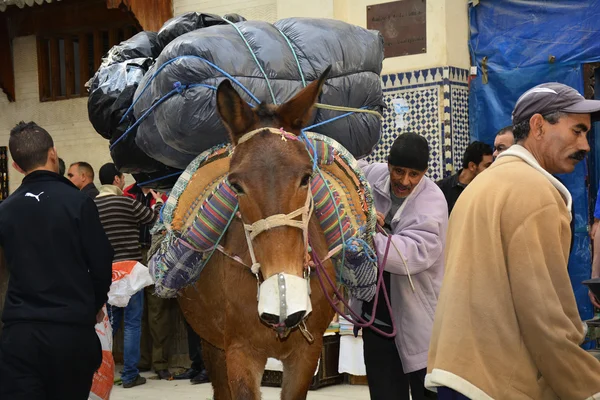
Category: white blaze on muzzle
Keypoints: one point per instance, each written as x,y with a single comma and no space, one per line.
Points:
284,296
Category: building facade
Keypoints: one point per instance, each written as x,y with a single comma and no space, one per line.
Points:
425,93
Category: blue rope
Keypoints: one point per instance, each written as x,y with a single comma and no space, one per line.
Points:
160,213
330,120
143,117
226,74
370,253
178,88
160,179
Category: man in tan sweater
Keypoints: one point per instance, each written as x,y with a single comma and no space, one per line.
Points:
506,324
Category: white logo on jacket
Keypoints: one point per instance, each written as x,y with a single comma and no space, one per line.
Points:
36,196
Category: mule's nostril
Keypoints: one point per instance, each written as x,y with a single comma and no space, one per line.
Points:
294,319
270,318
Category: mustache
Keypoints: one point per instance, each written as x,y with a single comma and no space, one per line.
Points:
401,186
579,156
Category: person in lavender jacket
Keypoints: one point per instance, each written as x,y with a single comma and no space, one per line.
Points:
413,211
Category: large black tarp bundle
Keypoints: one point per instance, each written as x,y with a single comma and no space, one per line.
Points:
170,79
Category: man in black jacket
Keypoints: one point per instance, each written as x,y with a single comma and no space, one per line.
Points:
60,264
81,174
477,158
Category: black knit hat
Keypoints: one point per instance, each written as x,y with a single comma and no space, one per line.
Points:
410,151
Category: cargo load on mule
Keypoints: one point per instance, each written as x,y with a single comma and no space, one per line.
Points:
153,97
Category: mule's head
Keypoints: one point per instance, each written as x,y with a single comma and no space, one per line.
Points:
270,170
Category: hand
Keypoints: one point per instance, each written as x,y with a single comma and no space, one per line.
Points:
593,299
100,316
155,195
380,219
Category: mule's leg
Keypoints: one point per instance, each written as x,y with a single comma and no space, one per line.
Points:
245,370
214,359
298,371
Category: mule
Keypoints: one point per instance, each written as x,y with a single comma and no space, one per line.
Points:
271,174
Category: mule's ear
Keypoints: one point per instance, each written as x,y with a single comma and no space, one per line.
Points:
236,114
296,112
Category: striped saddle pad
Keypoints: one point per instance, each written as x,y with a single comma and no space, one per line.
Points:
202,202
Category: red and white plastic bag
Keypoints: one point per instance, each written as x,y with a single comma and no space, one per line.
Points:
128,278
103,378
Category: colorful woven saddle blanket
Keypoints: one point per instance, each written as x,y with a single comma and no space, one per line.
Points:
202,204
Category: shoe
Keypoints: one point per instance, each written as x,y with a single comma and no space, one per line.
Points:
164,374
138,381
202,377
187,374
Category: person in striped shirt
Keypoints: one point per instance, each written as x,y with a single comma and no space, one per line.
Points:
121,218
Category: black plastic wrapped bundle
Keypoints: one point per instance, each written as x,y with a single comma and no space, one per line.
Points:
187,123
174,117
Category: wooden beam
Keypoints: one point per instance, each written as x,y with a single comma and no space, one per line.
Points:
113,37
83,63
97,49
151,14
7,70
68,16
54,68
43,69
69,67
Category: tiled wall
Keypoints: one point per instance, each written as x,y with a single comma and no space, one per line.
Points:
436,101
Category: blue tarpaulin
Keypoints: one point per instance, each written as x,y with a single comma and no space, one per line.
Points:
516,45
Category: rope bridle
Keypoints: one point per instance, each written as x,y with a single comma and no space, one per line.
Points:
274,221
253,230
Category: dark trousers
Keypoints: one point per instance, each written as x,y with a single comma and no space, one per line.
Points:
445,393
195,348
48,361
157,327
385,374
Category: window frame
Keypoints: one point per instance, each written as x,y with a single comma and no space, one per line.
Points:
49,58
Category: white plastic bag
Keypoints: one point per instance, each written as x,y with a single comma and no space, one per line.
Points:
128,278
103,378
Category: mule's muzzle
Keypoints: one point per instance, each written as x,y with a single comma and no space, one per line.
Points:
284,300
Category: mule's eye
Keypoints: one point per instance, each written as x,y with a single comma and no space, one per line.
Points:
237,188
305,180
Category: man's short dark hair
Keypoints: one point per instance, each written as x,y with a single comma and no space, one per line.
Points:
61,167
475,152
86,168
107,173
521,130
29,145
505,130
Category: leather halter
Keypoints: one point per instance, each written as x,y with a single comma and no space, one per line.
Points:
274,221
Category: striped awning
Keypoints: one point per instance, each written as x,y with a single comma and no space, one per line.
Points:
22,3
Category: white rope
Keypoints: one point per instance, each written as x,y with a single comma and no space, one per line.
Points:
403,261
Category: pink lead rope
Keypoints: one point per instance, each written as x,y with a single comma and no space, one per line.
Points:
359,321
